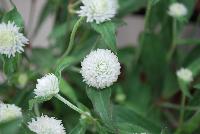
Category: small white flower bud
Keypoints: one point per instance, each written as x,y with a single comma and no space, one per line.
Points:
177,10
185,75
47,86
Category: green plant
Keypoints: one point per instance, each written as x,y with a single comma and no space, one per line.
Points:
151,95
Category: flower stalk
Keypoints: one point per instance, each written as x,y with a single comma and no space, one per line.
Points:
72,37
72,106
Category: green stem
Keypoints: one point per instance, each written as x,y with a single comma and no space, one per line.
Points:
72,37
174,35
75,4
177,107
36,109
146,29
182,111
75,108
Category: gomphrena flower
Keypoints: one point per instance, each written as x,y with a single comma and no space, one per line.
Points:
9,112
185,75
46,125
47,86
11,40
177,10
100,68
98,10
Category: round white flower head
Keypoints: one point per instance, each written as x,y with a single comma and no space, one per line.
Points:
11,40
98,10
100,68
46,125
47,86
177,10
9,112
185,75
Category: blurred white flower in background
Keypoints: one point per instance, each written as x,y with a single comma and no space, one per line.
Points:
185,75
98,10
11,40
2,77
46,125
9,112
100,68
177,10
47,86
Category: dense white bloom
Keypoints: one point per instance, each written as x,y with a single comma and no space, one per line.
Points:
9,112
98,10
47,85
177,10
46,125
100,68
185,75
11,40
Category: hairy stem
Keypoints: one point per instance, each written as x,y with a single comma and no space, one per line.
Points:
75,108
72,37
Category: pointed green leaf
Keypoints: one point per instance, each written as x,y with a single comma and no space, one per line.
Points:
102,105
107,31
13,16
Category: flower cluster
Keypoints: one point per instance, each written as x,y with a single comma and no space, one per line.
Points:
46,125
177,10
100,68
9,112
185,75
11,40
47,86
98,10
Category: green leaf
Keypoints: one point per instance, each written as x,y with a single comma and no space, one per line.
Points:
195,67
67,90
38,100
127,128
126,115
11,127
107,31
101,103
80,128
184,88
14,16
42,58
128,6
63,64
192,124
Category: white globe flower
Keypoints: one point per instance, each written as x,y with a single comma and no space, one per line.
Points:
11,40
9,112
47,86
98,10
100,68
185,75
46,125
177,10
